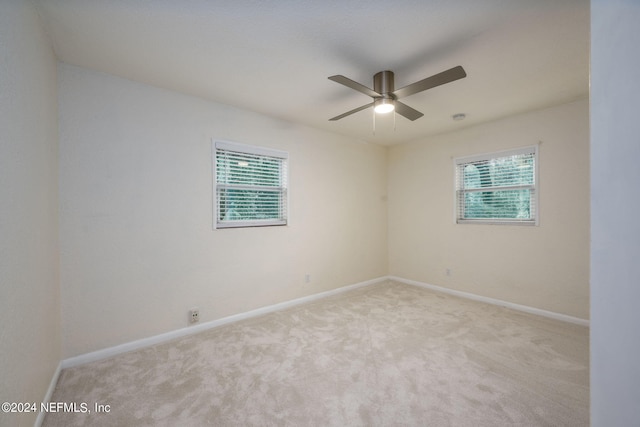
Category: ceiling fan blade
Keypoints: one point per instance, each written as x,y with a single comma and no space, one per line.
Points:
354,85
348,113
447,76
408,112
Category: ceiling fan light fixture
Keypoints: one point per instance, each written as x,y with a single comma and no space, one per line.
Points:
383,106
386,97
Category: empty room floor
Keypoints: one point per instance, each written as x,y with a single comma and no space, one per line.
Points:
385,354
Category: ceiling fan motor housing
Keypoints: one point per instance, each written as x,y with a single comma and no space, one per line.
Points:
383,84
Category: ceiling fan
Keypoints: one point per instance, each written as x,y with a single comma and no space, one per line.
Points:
385,97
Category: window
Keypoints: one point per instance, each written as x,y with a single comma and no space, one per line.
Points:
250,186
498,188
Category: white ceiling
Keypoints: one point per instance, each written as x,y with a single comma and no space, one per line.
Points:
274,56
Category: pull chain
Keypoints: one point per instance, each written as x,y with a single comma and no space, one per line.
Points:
374,122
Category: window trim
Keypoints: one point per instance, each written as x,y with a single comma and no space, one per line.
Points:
535,149
252,150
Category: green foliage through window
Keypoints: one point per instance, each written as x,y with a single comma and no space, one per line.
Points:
251,187
499,187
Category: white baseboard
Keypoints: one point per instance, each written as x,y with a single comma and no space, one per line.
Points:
48,394
157,339
513,306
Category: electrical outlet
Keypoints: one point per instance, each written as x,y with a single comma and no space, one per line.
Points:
448,271
194,315
307,278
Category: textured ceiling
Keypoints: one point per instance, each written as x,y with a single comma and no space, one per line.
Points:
274,57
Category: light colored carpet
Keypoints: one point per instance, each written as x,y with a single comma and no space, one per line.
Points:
385,355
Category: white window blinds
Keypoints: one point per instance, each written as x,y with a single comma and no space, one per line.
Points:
498,188
250,185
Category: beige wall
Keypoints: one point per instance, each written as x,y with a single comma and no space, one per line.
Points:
545,267
138,248
137,245
29,287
